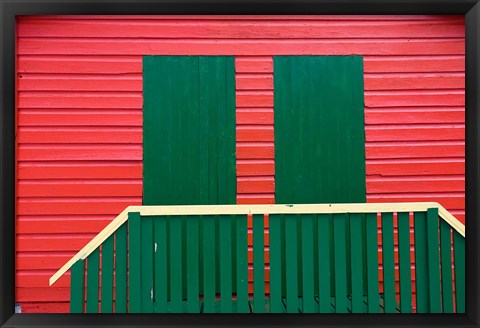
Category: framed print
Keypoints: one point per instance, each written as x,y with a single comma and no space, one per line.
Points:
198,163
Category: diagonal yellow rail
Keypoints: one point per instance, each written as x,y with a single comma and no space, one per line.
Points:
254,209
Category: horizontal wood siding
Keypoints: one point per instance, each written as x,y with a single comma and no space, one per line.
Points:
80,117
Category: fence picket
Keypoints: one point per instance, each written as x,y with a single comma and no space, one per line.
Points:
107,275
404,262
77,287
92,281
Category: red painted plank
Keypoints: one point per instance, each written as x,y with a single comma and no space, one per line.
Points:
65,46
120,64
78,82
255,150
29,243
53,307
450,201
44,261
133,82
255,185
79,152
414,132
254,82
254,133
79,117
414,149
255,168
415,184
80,64
414,81
80,188
414,64
43,294
80,100
254,64
413,99
416,168
259,116
39,278
67,206
256,199
80,170
62,224
252,29
124,135
253,99
430,115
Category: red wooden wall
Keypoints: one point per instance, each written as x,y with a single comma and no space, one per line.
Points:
79,116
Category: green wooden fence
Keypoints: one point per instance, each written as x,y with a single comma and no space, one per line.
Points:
139,268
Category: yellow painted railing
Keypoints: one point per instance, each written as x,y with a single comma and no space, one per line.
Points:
308,244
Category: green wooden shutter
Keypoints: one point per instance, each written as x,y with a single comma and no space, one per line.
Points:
319,132
189,135
188,130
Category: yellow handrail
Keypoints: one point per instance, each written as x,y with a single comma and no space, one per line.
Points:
255,209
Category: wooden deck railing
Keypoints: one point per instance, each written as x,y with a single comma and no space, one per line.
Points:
322,258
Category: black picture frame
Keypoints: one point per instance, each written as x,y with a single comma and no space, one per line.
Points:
10,8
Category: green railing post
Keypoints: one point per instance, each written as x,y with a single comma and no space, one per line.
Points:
404,262
433,261
121,269
77,287
258,264
324,268
107,275
459,254
421,268
242,264
356,252
135,264
371,234
388,263
446,255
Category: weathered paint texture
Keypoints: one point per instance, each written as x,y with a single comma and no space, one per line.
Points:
80,117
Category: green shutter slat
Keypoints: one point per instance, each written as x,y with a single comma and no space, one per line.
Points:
446,258
433,261
121,269
459,262
193,292
176,264
135,265
340,242
147,248
356,245
225,265
242,264
371,234
258,264
209,242
308,263
404,262
291,263
324,269
161,264
92,281
107,275
275,264
77,287
388,263
421,258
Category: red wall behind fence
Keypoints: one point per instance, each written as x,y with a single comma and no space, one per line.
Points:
79,153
